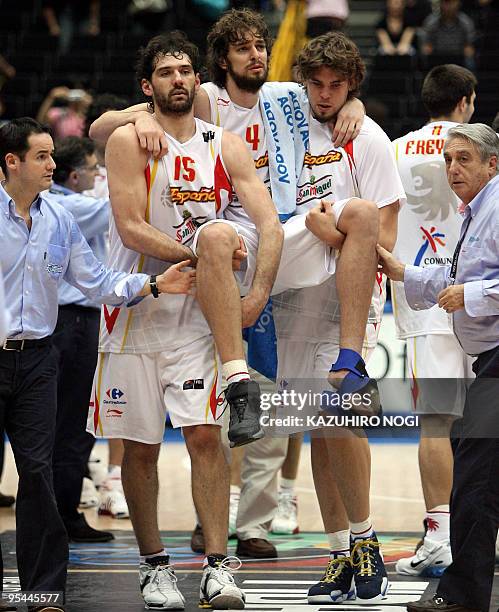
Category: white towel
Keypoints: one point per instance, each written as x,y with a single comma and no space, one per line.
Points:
285,112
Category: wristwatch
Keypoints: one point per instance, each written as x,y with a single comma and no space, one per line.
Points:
154,286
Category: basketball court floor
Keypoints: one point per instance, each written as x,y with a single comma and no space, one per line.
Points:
104,576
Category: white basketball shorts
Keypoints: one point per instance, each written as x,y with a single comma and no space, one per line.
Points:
132,393
306,261
438,356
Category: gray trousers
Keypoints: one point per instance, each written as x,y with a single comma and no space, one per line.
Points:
259,475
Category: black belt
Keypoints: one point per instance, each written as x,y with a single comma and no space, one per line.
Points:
79,308
21,345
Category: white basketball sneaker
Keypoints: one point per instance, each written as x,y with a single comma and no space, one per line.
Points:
158,585
233,508
430,560
89,497
218,589
112,499
285,520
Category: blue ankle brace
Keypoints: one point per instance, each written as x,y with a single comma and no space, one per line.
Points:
357,377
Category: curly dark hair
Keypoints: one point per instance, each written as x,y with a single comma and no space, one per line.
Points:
232,27
174,43
336,51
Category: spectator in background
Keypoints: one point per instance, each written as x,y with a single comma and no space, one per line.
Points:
484,13
6,70
324,16
100,104
451,33
148,16
68,119
395,36
64,18
416,11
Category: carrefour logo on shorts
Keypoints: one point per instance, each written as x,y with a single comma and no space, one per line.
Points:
114,397
431,239
115,393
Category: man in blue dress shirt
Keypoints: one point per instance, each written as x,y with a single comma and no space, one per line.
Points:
76,335
41,245
469,291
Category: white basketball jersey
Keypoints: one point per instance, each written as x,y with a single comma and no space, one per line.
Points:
186,188
248,124
429,225
364,168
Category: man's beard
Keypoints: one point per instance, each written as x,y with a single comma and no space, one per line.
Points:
168,106
251,84
324,118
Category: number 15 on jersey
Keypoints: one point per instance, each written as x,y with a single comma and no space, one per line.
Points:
184,167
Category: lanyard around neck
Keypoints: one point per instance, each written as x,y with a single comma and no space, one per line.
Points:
453,268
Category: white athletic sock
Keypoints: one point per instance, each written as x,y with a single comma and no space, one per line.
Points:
438,522
235,491
287,485
362,530
339,543
161,553
235,370
114,471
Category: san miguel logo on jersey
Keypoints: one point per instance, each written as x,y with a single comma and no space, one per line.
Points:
319,160
431,195
185,231
316,188
432,239
222,102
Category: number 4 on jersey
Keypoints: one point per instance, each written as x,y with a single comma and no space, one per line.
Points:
252,136
184,167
